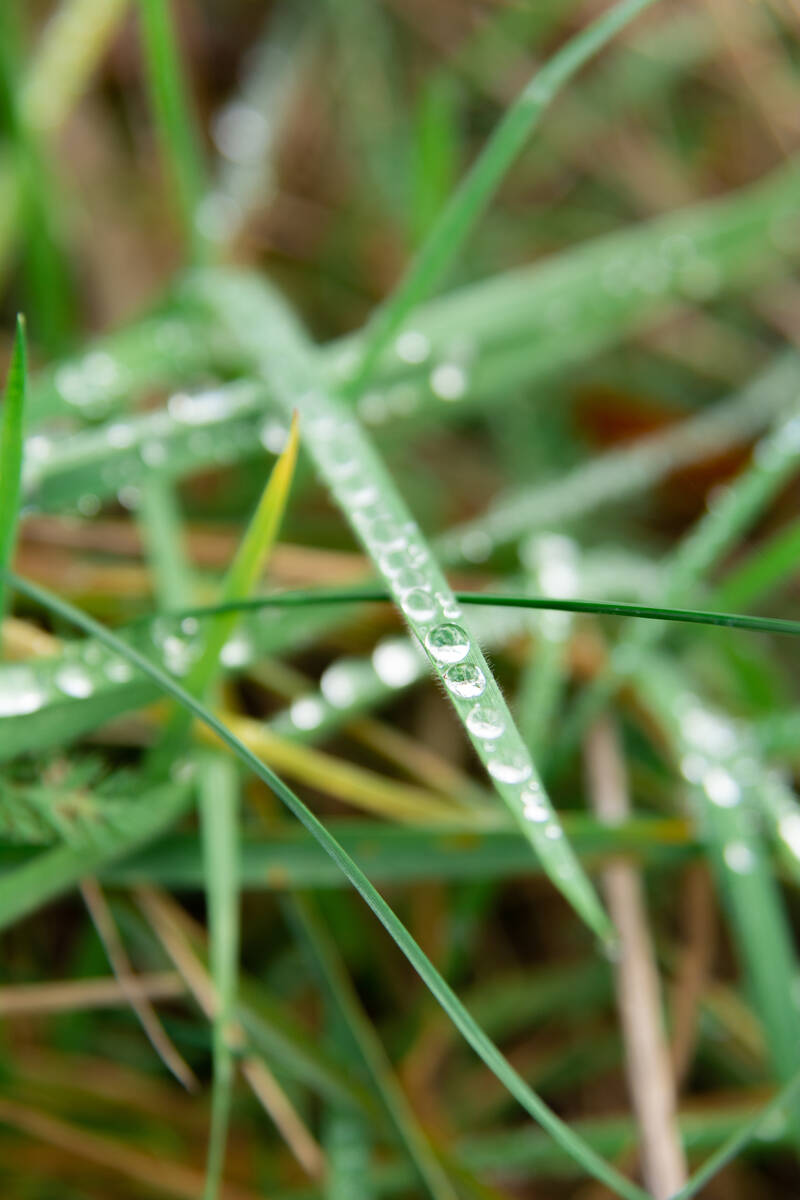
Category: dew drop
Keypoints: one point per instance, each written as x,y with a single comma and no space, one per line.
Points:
395,662
418,605
485,721
177,655
273,435
534,806
465,680
739,857
448,643
307,712
338,685
449,381
236,652
721,788
74,681
20,693
412,346
118,670
510,770
553,831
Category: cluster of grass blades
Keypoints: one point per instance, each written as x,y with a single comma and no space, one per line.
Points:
162,677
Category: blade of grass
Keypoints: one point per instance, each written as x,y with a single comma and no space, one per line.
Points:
72,42
483,1046
11,451
441,247
241,578
612,608
396,855
168,94
219,800
362,1036
356,476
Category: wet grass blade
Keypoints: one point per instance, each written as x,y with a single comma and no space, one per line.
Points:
11,446
355,474
592,1163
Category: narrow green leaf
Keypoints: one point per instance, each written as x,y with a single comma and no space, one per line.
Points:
179,140
11,447
218,794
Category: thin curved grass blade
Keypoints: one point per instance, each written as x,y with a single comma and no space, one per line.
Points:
591,1162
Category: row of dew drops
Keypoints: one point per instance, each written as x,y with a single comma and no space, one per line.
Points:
393,542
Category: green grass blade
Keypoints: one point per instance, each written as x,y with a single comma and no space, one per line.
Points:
159,519
72,42
611,608
243,574
367,1044
218,795
168,91
483,1046
396,854
448,235
348,464
11,446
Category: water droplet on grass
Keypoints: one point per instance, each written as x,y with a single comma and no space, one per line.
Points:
449,381
448,643
485,721
412,346
465,680
721,788
417,604
510,770
20,694
739,857
73,680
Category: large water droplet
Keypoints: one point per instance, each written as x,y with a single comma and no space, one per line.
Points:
485,721
448,643
465,680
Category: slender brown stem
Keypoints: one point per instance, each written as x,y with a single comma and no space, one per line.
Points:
638,994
